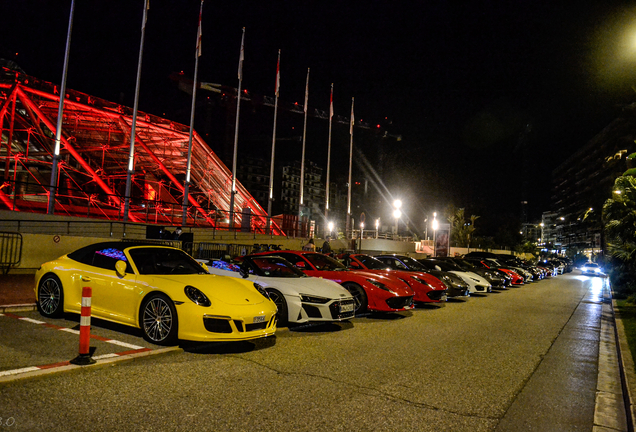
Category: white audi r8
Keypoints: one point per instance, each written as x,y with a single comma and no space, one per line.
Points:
299,298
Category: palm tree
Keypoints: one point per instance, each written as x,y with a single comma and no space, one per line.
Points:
619,216
461,232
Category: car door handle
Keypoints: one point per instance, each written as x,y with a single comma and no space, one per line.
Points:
85,279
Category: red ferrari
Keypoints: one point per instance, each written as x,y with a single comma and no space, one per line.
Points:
373,292
427,288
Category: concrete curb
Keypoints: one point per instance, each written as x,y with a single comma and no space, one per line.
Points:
18,308
609,412
627,363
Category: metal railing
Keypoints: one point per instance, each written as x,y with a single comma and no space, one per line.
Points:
10,250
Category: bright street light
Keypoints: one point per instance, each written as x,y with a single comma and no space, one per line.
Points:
397,213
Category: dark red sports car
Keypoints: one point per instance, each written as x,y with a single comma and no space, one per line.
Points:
373,292
427,288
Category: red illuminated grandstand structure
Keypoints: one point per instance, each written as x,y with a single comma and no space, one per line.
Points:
94,157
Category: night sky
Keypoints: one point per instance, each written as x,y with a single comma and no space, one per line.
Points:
489,97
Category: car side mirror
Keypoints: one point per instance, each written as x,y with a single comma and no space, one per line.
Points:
244,274
120,268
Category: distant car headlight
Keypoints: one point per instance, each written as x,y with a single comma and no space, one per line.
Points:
197,296
380,285
313,299
261,290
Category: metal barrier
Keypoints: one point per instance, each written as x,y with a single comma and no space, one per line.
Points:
202,250
10,250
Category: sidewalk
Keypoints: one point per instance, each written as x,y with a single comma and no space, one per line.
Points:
17,291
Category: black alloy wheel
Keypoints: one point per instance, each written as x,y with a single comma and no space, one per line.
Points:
50,296
359,297
158,320
282,315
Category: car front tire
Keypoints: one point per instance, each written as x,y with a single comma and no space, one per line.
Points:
158,320
359,296
50,296
279,299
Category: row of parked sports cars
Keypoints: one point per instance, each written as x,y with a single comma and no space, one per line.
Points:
169,296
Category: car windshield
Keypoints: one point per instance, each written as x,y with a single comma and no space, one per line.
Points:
465,265
323,262
413,264
591,265
446,265
271,266
371,263
492,263
164,261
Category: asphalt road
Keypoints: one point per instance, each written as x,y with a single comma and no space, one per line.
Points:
522,359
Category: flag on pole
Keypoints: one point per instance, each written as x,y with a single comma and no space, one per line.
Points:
352,119
242,56
331,103
199,32
306,90
277,75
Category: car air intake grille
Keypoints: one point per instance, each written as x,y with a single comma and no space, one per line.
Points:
312,311
436,294
399,302
256,326
216,325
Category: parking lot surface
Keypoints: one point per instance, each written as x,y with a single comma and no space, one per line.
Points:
522,359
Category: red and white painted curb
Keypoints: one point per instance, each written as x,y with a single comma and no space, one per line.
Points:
132,349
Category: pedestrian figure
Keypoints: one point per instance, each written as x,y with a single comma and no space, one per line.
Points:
177,233
326,246
310,246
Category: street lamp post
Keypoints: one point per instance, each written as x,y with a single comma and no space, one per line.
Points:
435,227
397,213
377,228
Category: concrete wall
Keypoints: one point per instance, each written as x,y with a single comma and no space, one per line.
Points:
48,237
40,248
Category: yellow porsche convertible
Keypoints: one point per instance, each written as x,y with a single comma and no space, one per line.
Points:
161,290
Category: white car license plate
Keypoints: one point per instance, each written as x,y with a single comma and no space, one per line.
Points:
259,319
347,307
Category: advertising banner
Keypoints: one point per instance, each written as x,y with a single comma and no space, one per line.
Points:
442,240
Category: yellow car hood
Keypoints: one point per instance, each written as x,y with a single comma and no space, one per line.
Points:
228,290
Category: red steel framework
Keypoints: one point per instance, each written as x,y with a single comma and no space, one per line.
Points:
94,158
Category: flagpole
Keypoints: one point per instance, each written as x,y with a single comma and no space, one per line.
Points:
271,167
184,216
236,128
131,153
328,159
350,166
302,157
60,113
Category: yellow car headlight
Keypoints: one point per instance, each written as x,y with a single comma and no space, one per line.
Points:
197,296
